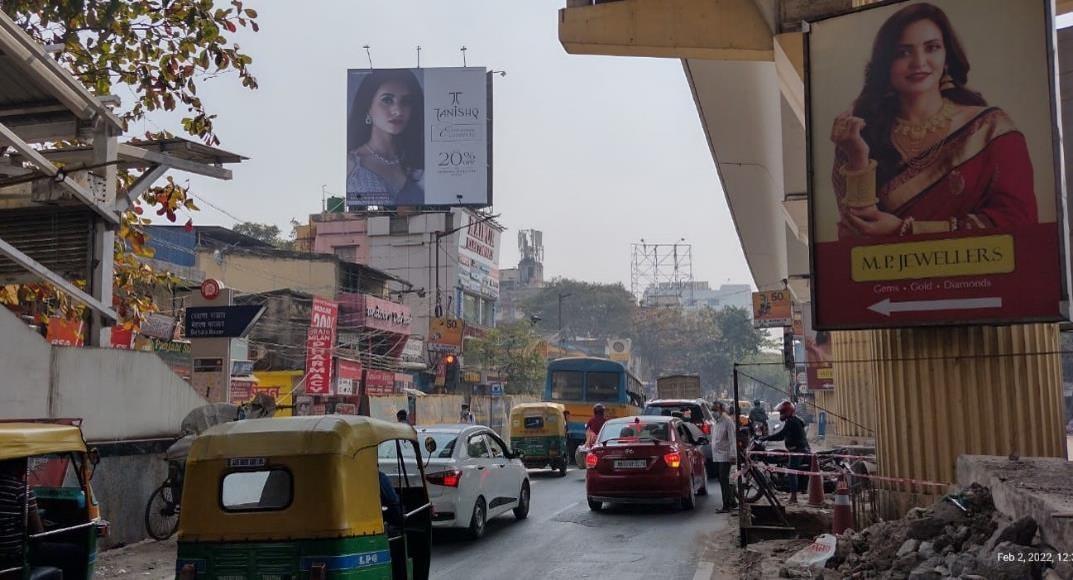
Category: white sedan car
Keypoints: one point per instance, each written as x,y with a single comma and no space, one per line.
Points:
472,476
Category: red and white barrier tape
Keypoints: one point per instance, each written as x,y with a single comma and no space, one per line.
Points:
773,469
818,455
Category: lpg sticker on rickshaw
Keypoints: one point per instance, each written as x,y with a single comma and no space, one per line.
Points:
348,562
246,462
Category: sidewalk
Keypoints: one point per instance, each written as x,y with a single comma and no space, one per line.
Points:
148,560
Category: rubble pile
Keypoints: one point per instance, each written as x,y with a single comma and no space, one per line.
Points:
961,536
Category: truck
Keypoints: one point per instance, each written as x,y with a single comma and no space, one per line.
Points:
678,387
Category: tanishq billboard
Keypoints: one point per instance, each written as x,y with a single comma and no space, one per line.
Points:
418,137
935,182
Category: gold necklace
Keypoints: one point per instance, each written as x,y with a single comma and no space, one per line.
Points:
910,138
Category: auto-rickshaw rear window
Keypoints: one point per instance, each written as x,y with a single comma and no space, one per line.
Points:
261,490
534,422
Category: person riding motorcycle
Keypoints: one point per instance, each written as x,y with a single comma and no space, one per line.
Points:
758,416
793,436
593,426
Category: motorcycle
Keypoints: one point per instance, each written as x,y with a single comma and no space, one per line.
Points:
753,479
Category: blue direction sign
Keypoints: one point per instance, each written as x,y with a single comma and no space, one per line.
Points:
221,321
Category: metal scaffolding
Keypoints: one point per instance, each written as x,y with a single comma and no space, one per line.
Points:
662,274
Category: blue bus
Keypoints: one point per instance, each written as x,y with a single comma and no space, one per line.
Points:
581,382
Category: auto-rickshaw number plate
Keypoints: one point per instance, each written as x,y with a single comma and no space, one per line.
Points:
630,464
247,462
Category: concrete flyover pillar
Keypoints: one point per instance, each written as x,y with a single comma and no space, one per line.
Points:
946,391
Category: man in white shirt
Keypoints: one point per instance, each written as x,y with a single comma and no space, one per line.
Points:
466,417
723,451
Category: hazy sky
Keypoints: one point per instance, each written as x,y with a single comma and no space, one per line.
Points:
597,152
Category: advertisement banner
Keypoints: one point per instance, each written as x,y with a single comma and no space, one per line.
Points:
478,256
64,332
122,338
362,310
403,381
320,342
158,326
772,309
349,376
418,137
445,335
934,165
379,382
820,376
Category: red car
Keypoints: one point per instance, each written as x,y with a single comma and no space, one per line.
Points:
645,459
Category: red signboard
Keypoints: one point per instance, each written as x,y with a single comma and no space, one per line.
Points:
379,382
348,376
122,337
64,332
403,381
375,313
319,345
241,390
210,289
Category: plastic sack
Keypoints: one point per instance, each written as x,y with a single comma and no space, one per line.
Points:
813,556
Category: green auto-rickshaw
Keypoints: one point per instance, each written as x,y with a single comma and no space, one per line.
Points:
539,430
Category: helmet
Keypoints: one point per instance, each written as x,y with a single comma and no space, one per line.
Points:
743,421
598,409
786,408
756,402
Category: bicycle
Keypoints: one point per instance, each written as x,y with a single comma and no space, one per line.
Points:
162,510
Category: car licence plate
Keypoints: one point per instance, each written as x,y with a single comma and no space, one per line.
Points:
630,464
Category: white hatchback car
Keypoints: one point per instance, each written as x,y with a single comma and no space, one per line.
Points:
472,476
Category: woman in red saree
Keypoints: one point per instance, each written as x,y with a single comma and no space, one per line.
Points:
920,153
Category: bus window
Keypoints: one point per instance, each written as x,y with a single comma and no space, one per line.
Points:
566,386
602,387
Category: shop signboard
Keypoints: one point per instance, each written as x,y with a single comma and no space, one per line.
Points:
948,212
320,342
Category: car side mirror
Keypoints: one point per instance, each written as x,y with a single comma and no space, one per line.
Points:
430,445
519,454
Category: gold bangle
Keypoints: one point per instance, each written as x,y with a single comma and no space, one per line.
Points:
860,185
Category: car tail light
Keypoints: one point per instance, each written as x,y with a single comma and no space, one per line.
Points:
445,478
590,460
673,459
707,428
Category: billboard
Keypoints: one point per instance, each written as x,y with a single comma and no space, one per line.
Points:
418,137
478,256
935,186
772,309
320,342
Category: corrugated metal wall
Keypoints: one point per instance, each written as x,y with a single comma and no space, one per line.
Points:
854,394
944,392
58,237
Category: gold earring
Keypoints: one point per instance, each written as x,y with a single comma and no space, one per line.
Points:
947,82
368,119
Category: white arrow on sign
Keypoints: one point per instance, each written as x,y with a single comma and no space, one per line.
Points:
885,307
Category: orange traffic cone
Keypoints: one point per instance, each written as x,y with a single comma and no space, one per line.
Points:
843,514
815,485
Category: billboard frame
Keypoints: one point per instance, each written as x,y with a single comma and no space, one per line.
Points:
1062,208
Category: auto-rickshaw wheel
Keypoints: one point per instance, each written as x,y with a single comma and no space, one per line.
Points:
562,468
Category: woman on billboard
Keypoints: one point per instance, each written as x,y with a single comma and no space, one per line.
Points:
385,141
920,152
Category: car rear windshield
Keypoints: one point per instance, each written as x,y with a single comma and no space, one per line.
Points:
626,432
691,413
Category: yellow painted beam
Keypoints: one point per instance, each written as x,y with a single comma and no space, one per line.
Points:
703,29
790,69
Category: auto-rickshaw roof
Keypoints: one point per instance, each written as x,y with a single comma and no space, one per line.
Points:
19,440
287,436
537,406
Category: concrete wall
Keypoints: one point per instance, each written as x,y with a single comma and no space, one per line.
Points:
251,273
24,361
120,394
123,485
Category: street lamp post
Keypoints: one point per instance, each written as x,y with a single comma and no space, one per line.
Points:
561,296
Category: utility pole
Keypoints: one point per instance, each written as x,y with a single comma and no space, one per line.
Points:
561,296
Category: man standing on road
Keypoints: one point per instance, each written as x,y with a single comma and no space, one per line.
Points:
466,417
401,416
723,449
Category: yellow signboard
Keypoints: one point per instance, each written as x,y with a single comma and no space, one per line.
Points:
934,259
445,335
